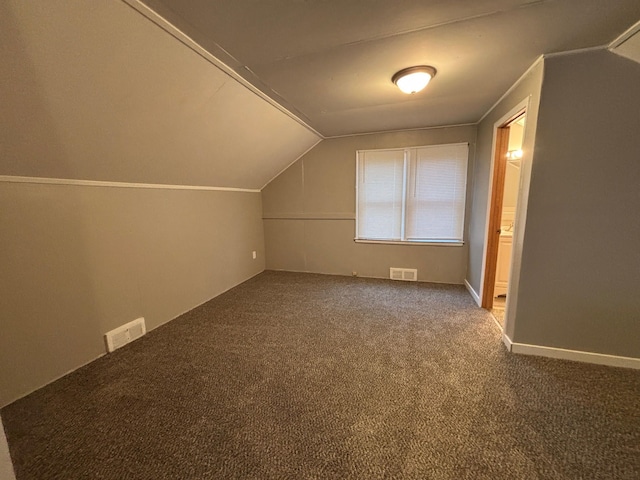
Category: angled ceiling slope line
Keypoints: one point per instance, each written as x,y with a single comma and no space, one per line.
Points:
628,44
189,42
332,61
94,91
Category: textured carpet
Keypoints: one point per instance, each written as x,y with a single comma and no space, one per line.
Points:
299,376
498,310
498,314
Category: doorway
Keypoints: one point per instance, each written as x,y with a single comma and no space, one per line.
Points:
505,187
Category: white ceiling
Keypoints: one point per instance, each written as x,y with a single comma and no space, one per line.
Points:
330,61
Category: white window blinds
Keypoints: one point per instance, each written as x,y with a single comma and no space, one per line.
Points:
412,194
436,193
380,194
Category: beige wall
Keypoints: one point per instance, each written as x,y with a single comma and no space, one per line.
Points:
96,91
528,88
580,279
78,261
575,280
309,213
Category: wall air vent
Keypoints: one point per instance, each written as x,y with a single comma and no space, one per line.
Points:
124,334
406,274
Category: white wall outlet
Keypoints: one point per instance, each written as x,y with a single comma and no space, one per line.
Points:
255,254
119,337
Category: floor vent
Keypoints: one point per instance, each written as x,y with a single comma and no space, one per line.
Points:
124,334
406,274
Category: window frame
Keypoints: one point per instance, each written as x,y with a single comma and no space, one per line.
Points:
406,151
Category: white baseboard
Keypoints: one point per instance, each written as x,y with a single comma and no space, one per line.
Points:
14,398
345,274
28,392
573,355
472,292
507,342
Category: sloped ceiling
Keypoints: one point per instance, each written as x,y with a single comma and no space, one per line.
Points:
331,61
95,91
628,45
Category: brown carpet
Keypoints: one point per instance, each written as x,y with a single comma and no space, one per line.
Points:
498,310
299,376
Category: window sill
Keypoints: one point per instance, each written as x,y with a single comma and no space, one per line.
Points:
443,243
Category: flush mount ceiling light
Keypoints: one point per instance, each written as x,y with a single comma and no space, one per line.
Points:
413,79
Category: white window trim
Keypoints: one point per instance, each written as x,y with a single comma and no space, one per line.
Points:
407,151
440,243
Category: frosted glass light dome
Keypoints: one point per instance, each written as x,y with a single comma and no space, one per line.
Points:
413,79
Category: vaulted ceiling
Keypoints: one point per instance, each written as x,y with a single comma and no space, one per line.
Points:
330,61
121,90
628,45
92,90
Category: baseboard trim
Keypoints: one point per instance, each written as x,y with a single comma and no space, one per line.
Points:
15,398
507,342
207,300
472,292
22,395
354,276
573,355
495,320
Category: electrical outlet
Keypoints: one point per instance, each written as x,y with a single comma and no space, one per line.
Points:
255,255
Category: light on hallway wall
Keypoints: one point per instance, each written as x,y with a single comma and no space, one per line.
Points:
514,154
413,79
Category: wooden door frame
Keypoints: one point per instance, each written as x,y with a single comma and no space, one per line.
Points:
495,213
494,202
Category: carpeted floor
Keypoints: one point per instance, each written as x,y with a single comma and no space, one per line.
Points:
299,376
498,310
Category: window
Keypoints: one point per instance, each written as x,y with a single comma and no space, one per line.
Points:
412,194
